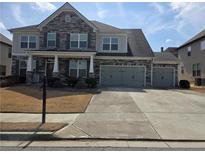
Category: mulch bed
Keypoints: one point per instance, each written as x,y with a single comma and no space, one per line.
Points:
30,127
201,90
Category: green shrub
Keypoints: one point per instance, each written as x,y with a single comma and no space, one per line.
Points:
81,84
52,80
71,81
92,82
9,80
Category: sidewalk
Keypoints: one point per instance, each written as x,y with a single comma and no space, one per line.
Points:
100,145
26,117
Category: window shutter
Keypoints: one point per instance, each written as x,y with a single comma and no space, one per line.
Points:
68,41
89,41
57,40
45,40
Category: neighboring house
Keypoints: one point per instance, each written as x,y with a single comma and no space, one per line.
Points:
172,50
192,57
5,56
68,44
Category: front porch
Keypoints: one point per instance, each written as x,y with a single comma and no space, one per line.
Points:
58,64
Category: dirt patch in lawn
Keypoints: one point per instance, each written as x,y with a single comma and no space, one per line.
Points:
23,99
30,127
201,90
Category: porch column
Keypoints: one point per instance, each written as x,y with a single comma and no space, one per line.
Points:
29,70
55,67
91,70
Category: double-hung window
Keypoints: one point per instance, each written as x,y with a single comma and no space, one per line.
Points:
189,51
196,70
78,40
110,44
24,41
28,42
32,42
203,45
51,40
78,68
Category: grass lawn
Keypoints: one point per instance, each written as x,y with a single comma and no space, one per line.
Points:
30,126
24,99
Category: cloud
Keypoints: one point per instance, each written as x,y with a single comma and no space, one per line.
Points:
16,12
158,7
101,12
2,26
188,15
168,40
43,6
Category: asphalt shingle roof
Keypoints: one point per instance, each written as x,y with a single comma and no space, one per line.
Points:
5,40
138,44
164,57
196,37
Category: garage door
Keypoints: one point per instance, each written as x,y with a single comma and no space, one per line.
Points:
122,76
163,77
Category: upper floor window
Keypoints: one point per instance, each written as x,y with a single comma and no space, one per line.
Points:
110,44
203,45
51,40
28,41
78,40
196,71
67,18
189,51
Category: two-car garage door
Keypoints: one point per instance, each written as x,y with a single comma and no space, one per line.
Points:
123,76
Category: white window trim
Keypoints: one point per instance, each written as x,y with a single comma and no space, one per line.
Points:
78,34
110,44
196,68
28,41
78,68
202,45
189,48
51,40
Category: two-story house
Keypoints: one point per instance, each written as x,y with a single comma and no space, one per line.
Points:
68,44
192,57
5,56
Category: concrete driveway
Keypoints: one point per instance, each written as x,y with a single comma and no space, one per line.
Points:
147,114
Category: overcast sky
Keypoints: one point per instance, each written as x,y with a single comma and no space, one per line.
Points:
164,24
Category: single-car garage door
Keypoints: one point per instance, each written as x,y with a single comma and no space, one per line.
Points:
122,76
163,77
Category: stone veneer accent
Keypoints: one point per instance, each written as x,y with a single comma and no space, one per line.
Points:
170,65
62,29
146,63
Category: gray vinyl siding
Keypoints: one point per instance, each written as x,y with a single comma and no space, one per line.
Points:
17,41
122,47
197,56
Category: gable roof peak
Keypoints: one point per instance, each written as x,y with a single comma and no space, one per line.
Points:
64,7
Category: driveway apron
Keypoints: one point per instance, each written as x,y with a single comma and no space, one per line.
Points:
112,114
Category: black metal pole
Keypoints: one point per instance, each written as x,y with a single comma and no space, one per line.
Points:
44,94
44,100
